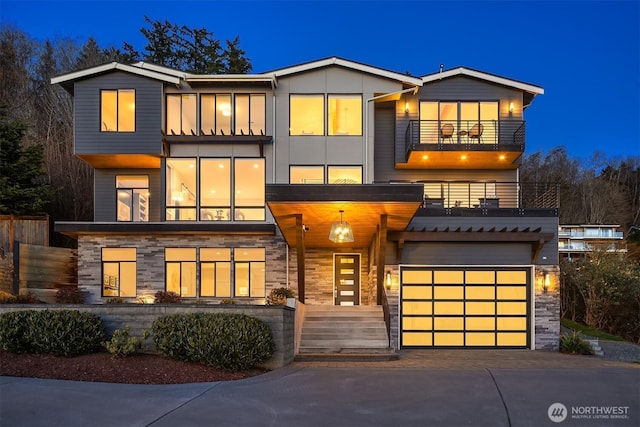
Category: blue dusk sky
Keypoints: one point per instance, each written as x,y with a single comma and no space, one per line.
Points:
585,54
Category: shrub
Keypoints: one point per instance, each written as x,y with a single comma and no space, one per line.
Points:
166,297
116,300
222,340
123,344
279,296
227,301
574,344
69,296
28,298
59,332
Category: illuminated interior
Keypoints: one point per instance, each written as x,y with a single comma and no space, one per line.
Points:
215,272
180,271
119,272
250,277
118,110
306,115
461,117
345,114
344,174
133,197
306,175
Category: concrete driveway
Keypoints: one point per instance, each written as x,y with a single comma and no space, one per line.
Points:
423,388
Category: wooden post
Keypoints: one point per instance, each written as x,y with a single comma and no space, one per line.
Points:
16,267
300,256
382,252
12,233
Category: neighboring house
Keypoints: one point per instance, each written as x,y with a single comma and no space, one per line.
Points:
576,241
228,186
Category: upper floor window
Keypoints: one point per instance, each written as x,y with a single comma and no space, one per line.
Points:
215,114
181,114
458,121
118,110
216,189
335,175
345,115
133,197
306,115
249,114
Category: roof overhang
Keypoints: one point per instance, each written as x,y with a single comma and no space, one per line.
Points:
318,207
75,229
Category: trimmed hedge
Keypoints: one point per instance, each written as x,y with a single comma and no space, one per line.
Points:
222,340
58,332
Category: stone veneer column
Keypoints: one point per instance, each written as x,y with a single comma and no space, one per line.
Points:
547,307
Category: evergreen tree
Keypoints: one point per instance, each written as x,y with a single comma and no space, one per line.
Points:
235,58
22,191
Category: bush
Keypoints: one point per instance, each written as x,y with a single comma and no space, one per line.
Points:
166,297
222,340
28,298
279,296
574,344
227,301
59,332
69,296
123,344
116,300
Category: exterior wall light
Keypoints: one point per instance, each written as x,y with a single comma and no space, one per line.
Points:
545,286
388,279
406,107
511,107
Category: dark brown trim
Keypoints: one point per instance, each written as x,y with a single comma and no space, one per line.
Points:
470,236
382,250
300,255
177,227
346,192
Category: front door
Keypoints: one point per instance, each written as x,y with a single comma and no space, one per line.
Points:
347,279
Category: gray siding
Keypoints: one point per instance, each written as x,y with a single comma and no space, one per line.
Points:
105,193
481,253
145,140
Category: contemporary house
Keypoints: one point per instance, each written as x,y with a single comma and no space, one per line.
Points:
362,189
576,241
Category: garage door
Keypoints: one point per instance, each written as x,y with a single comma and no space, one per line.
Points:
465,307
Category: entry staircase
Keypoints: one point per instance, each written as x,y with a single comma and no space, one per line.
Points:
347,333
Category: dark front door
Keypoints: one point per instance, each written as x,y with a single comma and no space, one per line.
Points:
347,279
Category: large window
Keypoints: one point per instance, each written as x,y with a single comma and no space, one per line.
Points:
453,121
133,198
249,266
180,271
215,114
306,115
220,189
345,114
215,272
118,110
118,272
250,114
181,114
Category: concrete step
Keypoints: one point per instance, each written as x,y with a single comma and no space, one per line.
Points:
595,346
348,355
348,342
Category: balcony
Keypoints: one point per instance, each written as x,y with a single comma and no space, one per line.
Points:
489,198
464,144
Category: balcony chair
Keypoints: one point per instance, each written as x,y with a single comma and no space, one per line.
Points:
476,132
446,132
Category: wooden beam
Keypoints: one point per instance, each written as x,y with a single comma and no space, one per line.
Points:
300,256
536,247
469,236
382,252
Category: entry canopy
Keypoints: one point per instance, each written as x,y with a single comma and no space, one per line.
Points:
318,206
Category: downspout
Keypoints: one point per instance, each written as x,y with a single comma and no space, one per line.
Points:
366,125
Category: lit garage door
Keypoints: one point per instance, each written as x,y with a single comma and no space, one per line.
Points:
465,307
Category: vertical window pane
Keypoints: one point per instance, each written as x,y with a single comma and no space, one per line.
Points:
133,195
223,279
449,115
189,114
207,114
257,279
345,174
181,271
119,272
173,277
242,114
306,115
249,181
109,107
126,110
128,279
215,276
258,117
173,115
215,189
306,175
125,205
181,188
207,279
345,115
429,131
188,282
110,279
242,279
223,114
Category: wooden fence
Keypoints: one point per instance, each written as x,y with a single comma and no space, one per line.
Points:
33,230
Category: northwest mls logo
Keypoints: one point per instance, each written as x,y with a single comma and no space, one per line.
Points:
557,412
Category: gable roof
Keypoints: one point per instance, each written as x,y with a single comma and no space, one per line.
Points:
527,87
357,66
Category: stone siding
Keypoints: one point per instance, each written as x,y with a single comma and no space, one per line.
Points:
140,317
150,259
547,308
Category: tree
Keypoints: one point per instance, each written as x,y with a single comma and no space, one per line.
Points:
234,58
22,190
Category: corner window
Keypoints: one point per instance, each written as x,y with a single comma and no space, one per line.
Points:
306,175
180,271
215,272
345,114
133,198
306,115
250,277
344,174
118,272
118,110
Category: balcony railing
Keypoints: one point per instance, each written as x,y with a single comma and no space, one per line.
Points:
466,134
489,195
599,234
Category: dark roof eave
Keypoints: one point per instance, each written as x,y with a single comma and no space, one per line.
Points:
171,227
344,192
